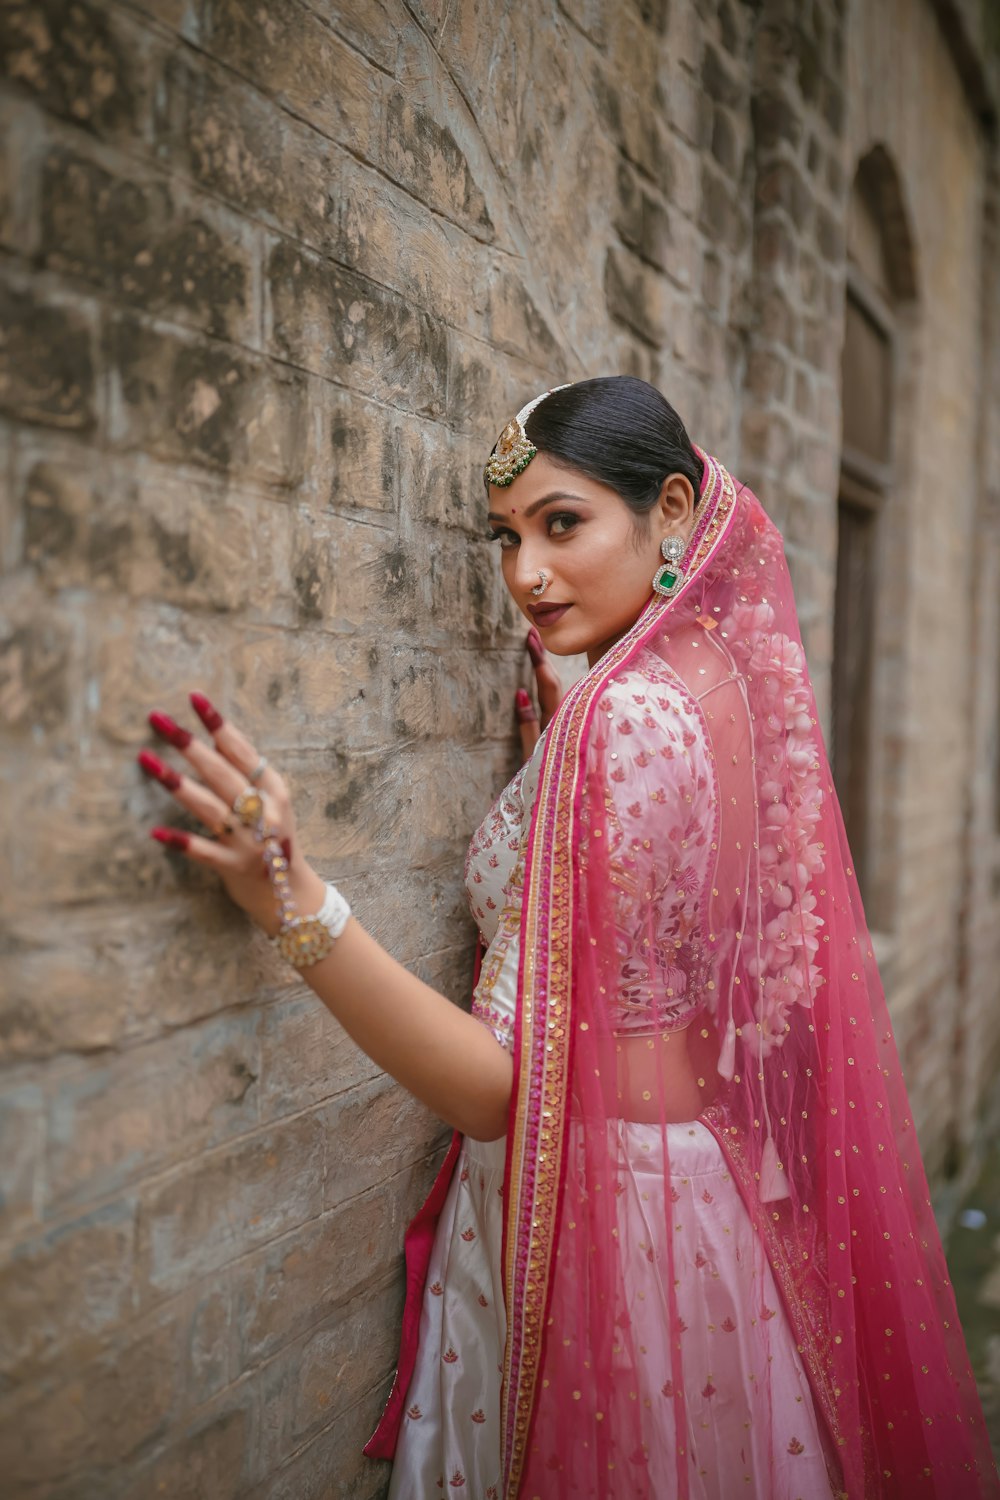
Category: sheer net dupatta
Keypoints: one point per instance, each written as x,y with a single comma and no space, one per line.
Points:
722,1271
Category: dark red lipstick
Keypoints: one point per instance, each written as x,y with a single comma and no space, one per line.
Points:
547,614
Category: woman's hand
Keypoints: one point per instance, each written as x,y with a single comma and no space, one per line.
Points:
549,690
221,772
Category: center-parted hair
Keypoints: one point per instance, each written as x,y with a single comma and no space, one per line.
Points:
619,431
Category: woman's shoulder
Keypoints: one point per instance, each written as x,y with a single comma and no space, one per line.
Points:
649,692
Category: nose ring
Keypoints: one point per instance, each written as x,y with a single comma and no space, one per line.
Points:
541,585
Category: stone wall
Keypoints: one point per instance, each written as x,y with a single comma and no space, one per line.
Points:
273,276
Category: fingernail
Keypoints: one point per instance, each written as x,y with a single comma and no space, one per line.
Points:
535,648
209,716
286,849
168,730
154,767
524,707
173,838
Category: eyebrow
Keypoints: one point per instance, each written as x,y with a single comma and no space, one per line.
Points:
536,505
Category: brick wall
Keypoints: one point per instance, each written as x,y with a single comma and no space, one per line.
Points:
272,277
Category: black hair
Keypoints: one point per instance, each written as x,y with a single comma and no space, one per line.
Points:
621,432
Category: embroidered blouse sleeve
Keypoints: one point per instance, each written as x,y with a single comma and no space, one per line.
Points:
649,760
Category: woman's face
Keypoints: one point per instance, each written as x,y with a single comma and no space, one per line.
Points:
597,554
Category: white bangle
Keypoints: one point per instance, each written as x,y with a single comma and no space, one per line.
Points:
303,941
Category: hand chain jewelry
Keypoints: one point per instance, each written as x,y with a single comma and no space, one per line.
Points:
301,940
541,585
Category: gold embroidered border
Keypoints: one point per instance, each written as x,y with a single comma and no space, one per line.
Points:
533,1177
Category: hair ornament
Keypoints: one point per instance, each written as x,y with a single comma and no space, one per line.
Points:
514,450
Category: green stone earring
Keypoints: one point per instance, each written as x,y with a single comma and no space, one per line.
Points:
667,580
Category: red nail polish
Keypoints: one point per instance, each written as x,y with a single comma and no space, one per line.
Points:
153,766
524,707
172,838
535,648
209,716
171,732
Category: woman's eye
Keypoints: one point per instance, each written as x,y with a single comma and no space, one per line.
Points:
562,522
505,538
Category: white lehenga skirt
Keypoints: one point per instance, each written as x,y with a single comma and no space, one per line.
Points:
739,1444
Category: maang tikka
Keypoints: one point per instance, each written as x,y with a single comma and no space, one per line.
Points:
514,449
668,579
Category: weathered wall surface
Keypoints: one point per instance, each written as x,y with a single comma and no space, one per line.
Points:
273,276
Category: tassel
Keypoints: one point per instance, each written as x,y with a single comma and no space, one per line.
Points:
727,1052
772,1181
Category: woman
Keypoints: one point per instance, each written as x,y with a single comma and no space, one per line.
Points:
682,1243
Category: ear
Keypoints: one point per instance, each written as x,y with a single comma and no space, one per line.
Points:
675,504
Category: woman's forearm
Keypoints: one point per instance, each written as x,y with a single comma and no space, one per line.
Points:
448,1060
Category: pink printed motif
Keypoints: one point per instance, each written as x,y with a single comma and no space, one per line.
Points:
663,963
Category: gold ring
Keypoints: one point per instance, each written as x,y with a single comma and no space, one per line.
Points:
249,807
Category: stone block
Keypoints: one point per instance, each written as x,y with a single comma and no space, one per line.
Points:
326,319
352,463
83,64
726,144
721,80
300,1281
421,152
306,1057
635,295
288,52
19,138
371,26
767,376
777,120
776,248
481,384
97,1414
140,240
317,1379
63,1292
719,215
357,805
295,694
70,535
394,239
516,323
22,1128
210,1457
781,185
47,360
332,1466
440,475
370,1130
228,1201
689,109
122,1120
590,17
196,402
237,146
37,660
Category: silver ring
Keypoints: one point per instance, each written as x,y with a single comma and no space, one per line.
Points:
258,769
541,585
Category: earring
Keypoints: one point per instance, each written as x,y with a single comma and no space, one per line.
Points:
667,580
541,585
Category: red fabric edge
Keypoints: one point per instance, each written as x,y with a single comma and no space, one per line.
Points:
417,1245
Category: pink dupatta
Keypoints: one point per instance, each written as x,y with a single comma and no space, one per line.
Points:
798,1067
